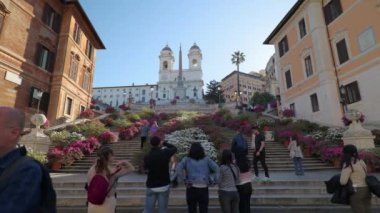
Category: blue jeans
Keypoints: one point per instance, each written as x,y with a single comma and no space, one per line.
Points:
298,165
152,197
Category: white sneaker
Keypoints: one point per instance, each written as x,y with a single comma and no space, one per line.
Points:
266,179
256,178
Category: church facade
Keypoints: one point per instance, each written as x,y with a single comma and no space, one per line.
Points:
181,84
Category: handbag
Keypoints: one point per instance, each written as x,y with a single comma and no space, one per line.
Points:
373,183
343,193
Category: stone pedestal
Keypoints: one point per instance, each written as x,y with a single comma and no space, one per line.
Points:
356,134
36,139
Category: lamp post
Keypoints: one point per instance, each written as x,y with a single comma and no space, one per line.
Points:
236,99
39,94
342,91
219,96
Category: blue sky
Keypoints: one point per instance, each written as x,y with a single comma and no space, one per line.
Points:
135,31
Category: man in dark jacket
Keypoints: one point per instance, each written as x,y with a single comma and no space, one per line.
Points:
259,154
158,180
239,146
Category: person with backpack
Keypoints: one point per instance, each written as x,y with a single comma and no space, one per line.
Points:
239,146
102,179
156,162
295,153
229,178
25,184
196,172
259,154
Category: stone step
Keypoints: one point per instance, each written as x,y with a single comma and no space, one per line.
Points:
180,200
213,190
254,208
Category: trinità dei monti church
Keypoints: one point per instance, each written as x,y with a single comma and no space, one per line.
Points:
180,84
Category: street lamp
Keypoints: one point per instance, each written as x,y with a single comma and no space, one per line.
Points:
219,96
39,94
342,91
236,99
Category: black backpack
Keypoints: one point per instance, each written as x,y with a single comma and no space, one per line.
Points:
48,195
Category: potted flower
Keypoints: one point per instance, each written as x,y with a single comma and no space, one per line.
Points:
107,137
371,160
55,158
332,155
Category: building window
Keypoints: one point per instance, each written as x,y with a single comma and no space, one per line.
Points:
314,102
77,33
332,10
352,92
45,58
89,49
292,106
86,80
143,92
302,28
366,39
3,12
51,18
74,67
308,66
283,46
341,47
288,77
82,108
69,104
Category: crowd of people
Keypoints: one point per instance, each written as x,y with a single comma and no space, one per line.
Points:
197,171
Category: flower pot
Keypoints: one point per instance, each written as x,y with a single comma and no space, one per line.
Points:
337,163
307,152
56,166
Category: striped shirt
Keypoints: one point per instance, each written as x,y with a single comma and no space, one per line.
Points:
227,181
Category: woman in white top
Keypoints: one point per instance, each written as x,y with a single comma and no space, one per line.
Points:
355,170
296,154
103,166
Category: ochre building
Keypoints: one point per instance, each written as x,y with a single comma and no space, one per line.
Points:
47,46
328,59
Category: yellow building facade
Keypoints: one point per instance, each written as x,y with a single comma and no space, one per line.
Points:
50,47
249,84
328,58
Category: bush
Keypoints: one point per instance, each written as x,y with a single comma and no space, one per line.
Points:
60,138
285,122
106,137
304,126
259,108
88,113
121,123
288,113
93,128
133,117
331,153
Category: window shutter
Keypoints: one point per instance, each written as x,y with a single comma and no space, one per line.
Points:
37,54
57,23
51,62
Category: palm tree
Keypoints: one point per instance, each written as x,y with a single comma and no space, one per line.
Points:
238,58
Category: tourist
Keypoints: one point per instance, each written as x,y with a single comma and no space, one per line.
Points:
244,186
259,154
156,162
144,131
239,146
229,178
21,178
295,153
195,170
355,170
103,168
153,128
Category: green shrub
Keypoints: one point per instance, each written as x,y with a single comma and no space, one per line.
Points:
304,126
133,117
60,138
93,128
146,113
121,123
285,122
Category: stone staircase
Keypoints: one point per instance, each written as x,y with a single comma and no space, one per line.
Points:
123,150
275,196
277,156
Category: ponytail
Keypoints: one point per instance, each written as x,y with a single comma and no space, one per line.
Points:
102,161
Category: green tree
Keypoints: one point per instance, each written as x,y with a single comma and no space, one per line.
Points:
213,93
238,58
261,98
